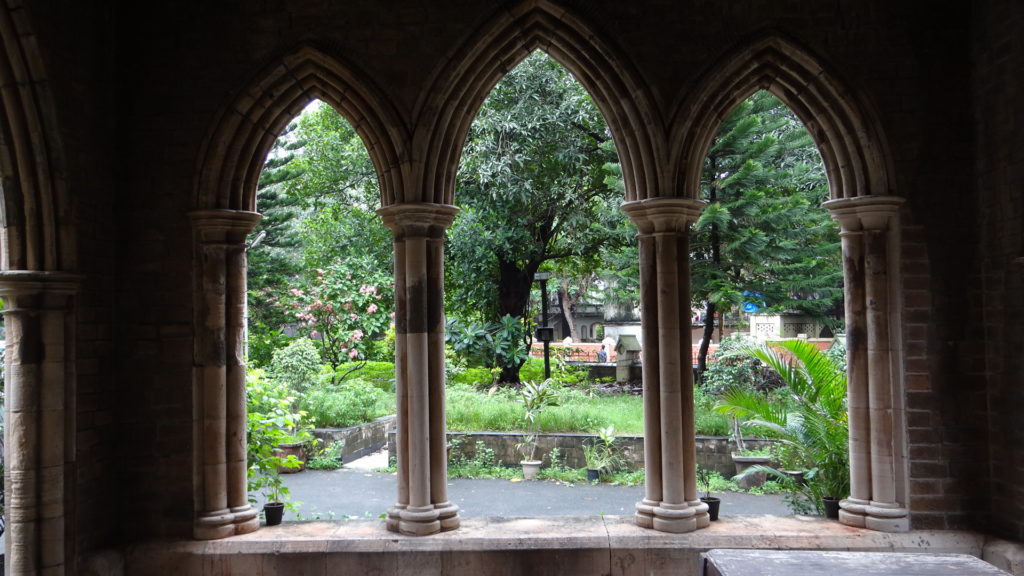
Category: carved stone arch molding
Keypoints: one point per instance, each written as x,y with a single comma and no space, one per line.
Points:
445,113
442,120
843,126
229,168
38,290
859,168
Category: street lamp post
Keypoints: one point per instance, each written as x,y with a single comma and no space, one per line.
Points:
544,333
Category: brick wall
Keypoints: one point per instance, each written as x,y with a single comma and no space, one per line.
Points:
999,92
172,81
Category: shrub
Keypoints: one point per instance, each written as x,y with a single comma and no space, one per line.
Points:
295,365
350,403
271,422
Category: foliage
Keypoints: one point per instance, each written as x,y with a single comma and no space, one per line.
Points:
350,403
271,422
342,308
535,397
732,367
813,423
763,239
469,409
602,454
494,345
378,374
296,365
704,480
532,189
318,193
327,458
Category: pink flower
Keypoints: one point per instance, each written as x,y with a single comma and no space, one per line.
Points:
353,317
371,308
357,335
353,353
314,335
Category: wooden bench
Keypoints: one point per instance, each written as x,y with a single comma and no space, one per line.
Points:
727,562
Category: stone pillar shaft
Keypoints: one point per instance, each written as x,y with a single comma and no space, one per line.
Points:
651,387
38,412
219,378
423,506
670,502
870,226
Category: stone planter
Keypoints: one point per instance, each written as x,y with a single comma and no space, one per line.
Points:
285,450
530,468
743,463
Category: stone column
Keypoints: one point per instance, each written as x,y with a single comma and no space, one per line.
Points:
670,502
219,374
423,506
870,232
39,433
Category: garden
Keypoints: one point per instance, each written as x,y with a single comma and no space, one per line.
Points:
321,334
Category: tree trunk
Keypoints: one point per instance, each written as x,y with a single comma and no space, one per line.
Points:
567,303
705,341
513,296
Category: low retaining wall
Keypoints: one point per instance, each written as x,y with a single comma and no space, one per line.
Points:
713,452
354,442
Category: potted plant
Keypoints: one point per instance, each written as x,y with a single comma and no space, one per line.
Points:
601,455
270,418
704,482
535,398
809,420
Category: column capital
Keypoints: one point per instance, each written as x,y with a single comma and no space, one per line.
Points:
418,219
864,212
663,214
221,226
26,282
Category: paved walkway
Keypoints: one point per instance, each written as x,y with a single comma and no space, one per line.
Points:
357,491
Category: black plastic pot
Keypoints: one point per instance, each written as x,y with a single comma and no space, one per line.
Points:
593,475
831,507
713,506
274,511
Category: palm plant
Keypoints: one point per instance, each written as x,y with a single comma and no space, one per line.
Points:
809,420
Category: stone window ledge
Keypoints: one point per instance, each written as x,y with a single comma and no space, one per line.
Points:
549,545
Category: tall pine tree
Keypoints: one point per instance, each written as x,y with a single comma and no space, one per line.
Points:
764,238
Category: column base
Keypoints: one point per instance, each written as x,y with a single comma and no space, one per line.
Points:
419,521
394,517
700,513
448,516
645,513
886,517
852,512
247,519
214,525
675,518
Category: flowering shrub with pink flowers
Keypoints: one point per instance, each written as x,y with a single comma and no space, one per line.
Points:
342,309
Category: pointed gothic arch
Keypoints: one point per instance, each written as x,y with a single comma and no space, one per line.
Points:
37,243
36,210
844,128
858,164
232,157
229,169
446,112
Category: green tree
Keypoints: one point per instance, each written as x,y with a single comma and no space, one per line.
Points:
319,202
532,189
763,237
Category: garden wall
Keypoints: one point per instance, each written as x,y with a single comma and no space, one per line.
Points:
713,452
354,442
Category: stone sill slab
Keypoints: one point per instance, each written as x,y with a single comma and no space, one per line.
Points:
550,545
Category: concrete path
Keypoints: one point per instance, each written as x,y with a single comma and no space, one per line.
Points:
357,491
